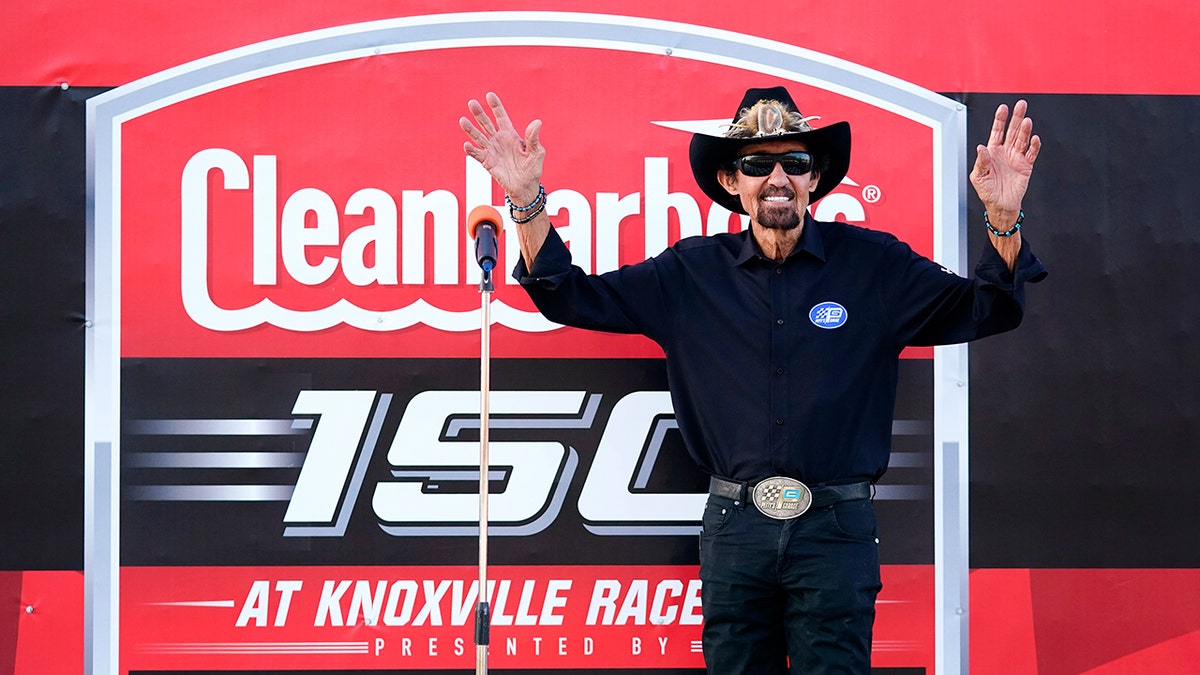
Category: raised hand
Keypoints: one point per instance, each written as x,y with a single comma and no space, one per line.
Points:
515,162
1003,166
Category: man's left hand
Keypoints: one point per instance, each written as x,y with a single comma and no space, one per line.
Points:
1003,166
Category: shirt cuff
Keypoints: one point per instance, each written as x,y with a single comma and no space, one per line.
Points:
550,267
993,271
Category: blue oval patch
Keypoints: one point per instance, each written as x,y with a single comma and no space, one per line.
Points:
828,315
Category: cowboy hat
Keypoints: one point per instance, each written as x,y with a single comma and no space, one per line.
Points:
769,115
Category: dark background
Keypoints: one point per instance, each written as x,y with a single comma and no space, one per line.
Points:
1084,422
248,533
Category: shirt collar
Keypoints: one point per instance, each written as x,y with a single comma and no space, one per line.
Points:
811,242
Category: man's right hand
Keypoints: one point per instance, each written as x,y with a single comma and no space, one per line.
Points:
514,162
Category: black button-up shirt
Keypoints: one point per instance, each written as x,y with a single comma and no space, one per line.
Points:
785,368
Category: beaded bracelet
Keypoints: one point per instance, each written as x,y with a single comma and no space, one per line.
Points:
1007,233
541,197
541,206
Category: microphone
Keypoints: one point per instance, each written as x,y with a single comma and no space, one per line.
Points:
484,225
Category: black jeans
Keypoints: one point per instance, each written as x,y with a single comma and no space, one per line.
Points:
800,590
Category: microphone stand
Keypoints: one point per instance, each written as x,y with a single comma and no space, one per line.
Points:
482,610
486,252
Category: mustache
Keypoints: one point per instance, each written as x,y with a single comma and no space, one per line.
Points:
773,191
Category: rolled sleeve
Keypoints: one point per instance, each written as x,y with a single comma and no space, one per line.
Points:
550,268
935,308
628,300
993,272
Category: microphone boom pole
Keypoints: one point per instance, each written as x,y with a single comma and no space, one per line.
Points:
484,226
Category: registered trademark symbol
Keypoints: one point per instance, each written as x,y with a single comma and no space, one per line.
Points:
872,194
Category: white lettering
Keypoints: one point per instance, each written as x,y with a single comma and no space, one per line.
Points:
659,202
258,601
266,214
666,587
609,493
326,469
402,588
604,598
840,206
524,618
691,614
388,246
613,500
296,235
330,606
286,588
554,601
432,610
499,618
578,230
611,210
379,236
534,467
255,606
462,604
194,210
442,207
634,605
366,603
639,608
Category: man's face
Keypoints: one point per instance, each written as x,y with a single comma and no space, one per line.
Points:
776,201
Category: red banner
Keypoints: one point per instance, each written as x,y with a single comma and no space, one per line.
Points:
940,46
361,618
298,215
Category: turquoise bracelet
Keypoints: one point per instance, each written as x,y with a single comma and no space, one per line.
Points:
1008,233
541,196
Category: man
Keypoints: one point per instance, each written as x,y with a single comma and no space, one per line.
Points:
781,347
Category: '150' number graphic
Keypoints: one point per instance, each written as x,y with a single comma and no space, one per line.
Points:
434,466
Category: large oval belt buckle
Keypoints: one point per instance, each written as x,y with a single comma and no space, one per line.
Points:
782,498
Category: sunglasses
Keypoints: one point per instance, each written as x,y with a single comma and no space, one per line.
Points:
795,163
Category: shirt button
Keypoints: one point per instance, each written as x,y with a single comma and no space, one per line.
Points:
779,371
779,321
779,420
778,270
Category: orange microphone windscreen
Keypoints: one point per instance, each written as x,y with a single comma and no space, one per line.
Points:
484,213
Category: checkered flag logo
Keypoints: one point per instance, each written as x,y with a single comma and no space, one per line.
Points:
772,493
782,497
829,315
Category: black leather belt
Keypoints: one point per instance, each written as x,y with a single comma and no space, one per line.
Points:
821,496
